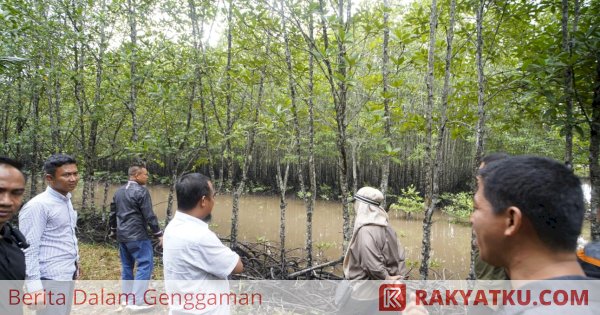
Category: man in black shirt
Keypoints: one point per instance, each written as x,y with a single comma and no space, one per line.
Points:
12,259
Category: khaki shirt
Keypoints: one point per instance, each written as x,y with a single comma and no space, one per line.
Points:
375,254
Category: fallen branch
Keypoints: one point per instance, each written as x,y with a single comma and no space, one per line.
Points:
307,270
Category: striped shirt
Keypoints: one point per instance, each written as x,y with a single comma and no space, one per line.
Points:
48,222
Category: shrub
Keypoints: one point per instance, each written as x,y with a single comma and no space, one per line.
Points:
410,201
459,206
325,191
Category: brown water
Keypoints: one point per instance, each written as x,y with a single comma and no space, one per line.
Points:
259,221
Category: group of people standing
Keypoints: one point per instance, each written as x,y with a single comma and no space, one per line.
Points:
45,246
528,214
190,250
44,255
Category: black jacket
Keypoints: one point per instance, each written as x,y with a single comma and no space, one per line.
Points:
12,267
130,213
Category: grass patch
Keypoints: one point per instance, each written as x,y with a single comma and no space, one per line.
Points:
102,262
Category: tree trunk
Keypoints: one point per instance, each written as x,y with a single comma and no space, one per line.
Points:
340,118
480,129
35,103
385,165
595,157
228,154
105,209
5,119
81,102
90,154
21,120
54,102
353,156
131,104
311,147
197,34
294,103
568,87
169,211
339,95
297,138
429,194
282,185
247,156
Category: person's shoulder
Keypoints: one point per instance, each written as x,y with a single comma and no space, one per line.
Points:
372,229
188,231
39,200
135,190
141,189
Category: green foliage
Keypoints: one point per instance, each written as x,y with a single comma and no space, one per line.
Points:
180,73
262,239
301,196
325,191
459,205
257,188
323,246
410,201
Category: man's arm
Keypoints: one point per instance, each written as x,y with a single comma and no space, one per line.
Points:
32,222
112,219
145,204
216,258
239,268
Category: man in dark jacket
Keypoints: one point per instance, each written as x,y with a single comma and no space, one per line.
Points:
12,259
131,212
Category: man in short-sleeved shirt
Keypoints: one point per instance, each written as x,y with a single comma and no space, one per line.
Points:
193,252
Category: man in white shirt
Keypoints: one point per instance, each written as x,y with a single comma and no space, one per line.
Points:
193,252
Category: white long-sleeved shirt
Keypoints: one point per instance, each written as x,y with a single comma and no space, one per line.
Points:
48,222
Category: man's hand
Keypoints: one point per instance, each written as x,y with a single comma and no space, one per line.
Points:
397,277
38,301
78,272
160,241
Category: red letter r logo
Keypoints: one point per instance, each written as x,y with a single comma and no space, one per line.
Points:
392,297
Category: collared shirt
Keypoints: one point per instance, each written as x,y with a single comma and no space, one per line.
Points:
48,222
193,252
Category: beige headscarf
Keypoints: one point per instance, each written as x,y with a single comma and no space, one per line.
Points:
367,213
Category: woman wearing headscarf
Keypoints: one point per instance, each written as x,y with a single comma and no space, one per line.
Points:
374,252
